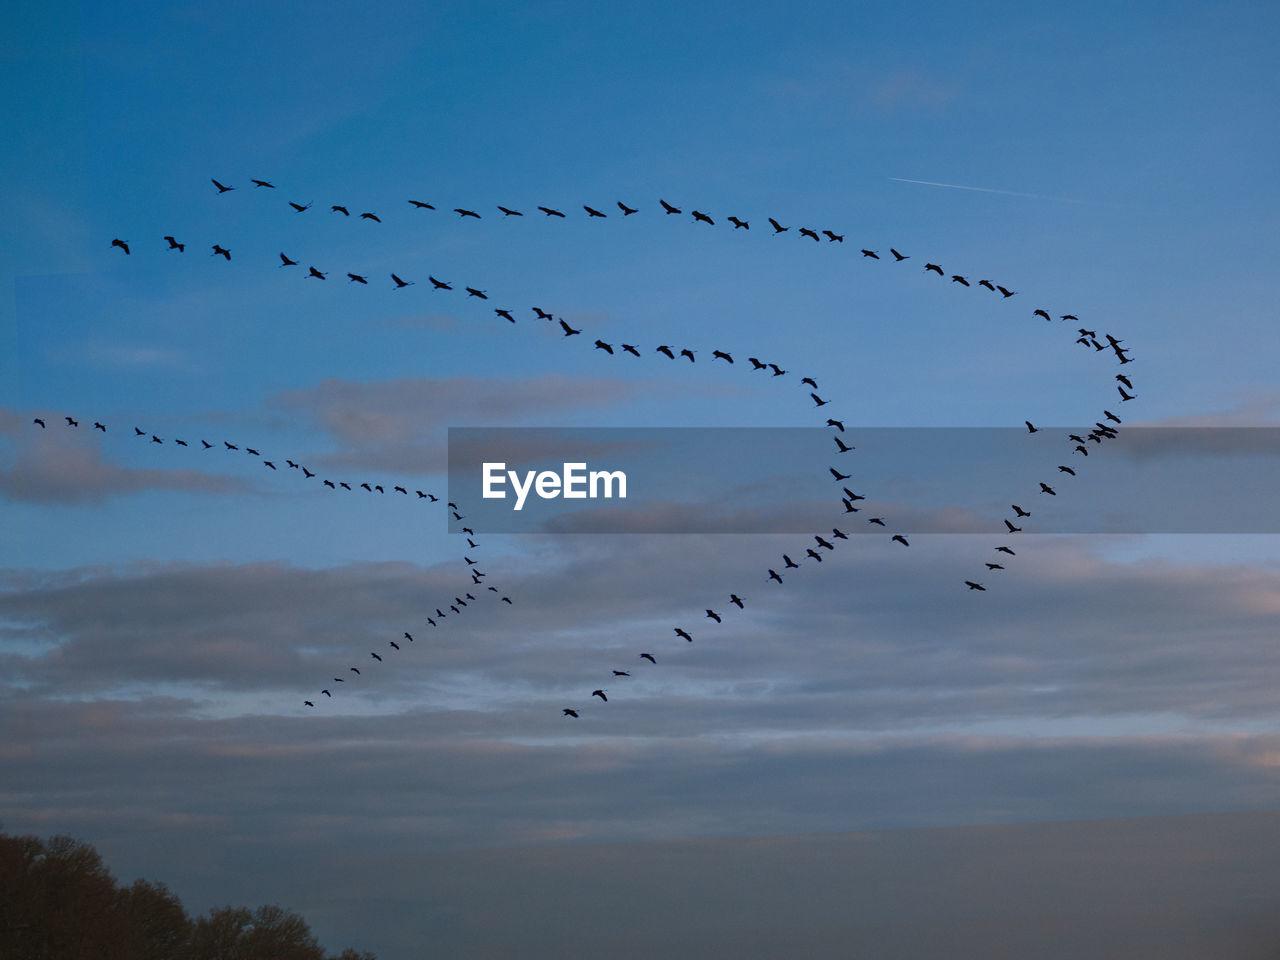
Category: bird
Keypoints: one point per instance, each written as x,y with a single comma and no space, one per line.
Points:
400,489
788,562
669,208
1045,488
806,232
356,278
974,586
626,211
154,438
473,292
813,553
223,251
712,615
777,227
682,633
739,224
756,364
703,217
1125,380
649,657
901,539
299,207
370,216
736,600
568,330
229,446
1030,428
1007,550
600,694
601,345
465,213
667,350
838,475
507,212
355,671
72,422
307,702
542,314
40,422
810,382
326,693
834,237
394,644
222,188
505,313
988,284
818,400
1066,470
592,212
773,575
838,534
876,520
995,566
686,352
175,245
720,355
1123,395
1012,528
956,278
934,267
844,447
402,283
871,254
777,371
267,463
899,257
329,484
853,496
1005,291
631,348
1042,313
422,206
438,284
823,543
307,473
621,673
839,425
551,213
98,426
316,273
375,656
1070,316
122,244
1018,511
1081,448
338,208
1111,416
286,262
569,712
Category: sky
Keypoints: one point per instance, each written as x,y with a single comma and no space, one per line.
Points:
166,611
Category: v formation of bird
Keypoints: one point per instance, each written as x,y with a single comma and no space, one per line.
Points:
1088,338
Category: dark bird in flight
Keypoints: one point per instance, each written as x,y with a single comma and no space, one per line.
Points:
844,447
773,575
591,212
1018,511
326,693
505,313
299,207
974,586
621,673
813,553
344,485
307,702
98,426
72,422
853,496
876,520
406,493
837,424
898,256
154,438
934,267
600,694
229,446
41,422
355,671
626,211
267,463
686,352
366,486
394,644
137,431
175,245
122,244
809,381
292,464
838,475
901,539
818,400
473,292
260,183
286,262
338,680
956,278
739,224
1006,550
1030,428
222,188
806,232
422,206
777,227
376,657
438,284
995,566
988,284
871,253
777,371
465,213
370,216
823,543
1125,380
356,278
756,364
1066,470
568,330
1070,316
788,562
667,350
338,208
223,251
570,713
682,633
835,532
506,212
542,314
1082,449
669,208
1045,488
601,345
649,657
1012,528
712,615
1042,313
307,473
1007,293
316,273
834,237
1111,416
720,355
402,283
329,484
551,213
703,217
1123,395
736,600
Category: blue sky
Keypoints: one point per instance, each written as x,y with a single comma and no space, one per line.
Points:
165,611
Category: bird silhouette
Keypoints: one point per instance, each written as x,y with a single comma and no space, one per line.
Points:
600,694
370,216
995,566
1045,488
550,212
899,257
592,212
703,217
739,224
221,251
601,345
669,208
316,273
974,586
41,423
222,188
1012,528
682,633
299,207
1042,313
422,206
649,657
98,426
473,292
338,208
773,575
736,600
286,262
901,539
844,448
934,267
834,237
686,352
838,424
505,313
1005,291
376,657
72,422
568,330
1030,428
1018,511
835,532
871,253
401,283
818,400
465,213
542,314
626,211
438,284
1007,550
838,475
667,350
507,212
777,227
956,278
175,245
813,553
621,673
788,562
356,278
569,712
720,355
122,244
806,232
712,615
261,183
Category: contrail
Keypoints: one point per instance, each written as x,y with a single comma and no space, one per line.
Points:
1007,193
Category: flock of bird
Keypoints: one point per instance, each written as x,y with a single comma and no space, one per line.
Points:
809,553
